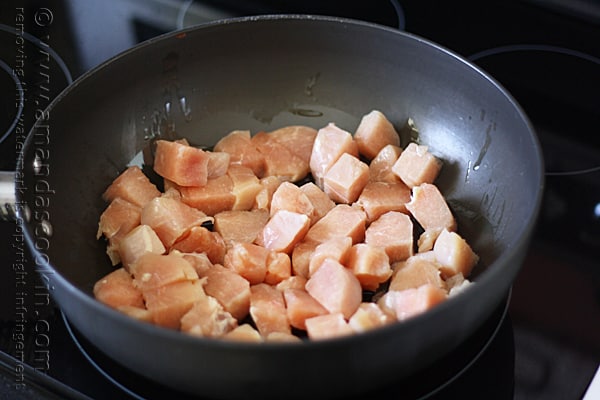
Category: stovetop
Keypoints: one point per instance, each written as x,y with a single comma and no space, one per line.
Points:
542,345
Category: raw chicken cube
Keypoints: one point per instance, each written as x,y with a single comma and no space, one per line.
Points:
380,167
248,260
218,163
132,185
416,165
201,240
298,139
283,231
291,198
301,258
330,143
427,239
213,197
116,221
116,289
393,231
243,333
454,254
183,164
370,264
336,288
279,160
369,316
267,309
207,318
152,270
142,239
242,151
341,220
269,185
293,282
300,306
171,219
245,187
337,248
321,203
377,198
279,268
240,226
416,271
168,303
327,326
345,179
230,289
430,209
199,261
404,304
374,132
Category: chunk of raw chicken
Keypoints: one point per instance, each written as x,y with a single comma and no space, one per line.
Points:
267,309
380,167
230,289
370,264
248,260
300,306
242,151
345,179
171,219
341,220
212,198
393,231
377,198
344,296
454,254
330,143
298,139
207,318
140,240
168,303
328,326
404,304
116,289
369,316
279,160
416,271
183,164
283,231
374,132
152,270
430,209
416,165
240,226
132,185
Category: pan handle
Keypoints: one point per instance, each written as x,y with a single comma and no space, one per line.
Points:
8,209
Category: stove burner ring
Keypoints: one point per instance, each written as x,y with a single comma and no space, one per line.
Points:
534,47
19,87
21,100
548,49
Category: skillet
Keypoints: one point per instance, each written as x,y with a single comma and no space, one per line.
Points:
261,73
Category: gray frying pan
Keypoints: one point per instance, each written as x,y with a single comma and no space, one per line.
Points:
261,73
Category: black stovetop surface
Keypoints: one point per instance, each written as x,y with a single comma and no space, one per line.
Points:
548,57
